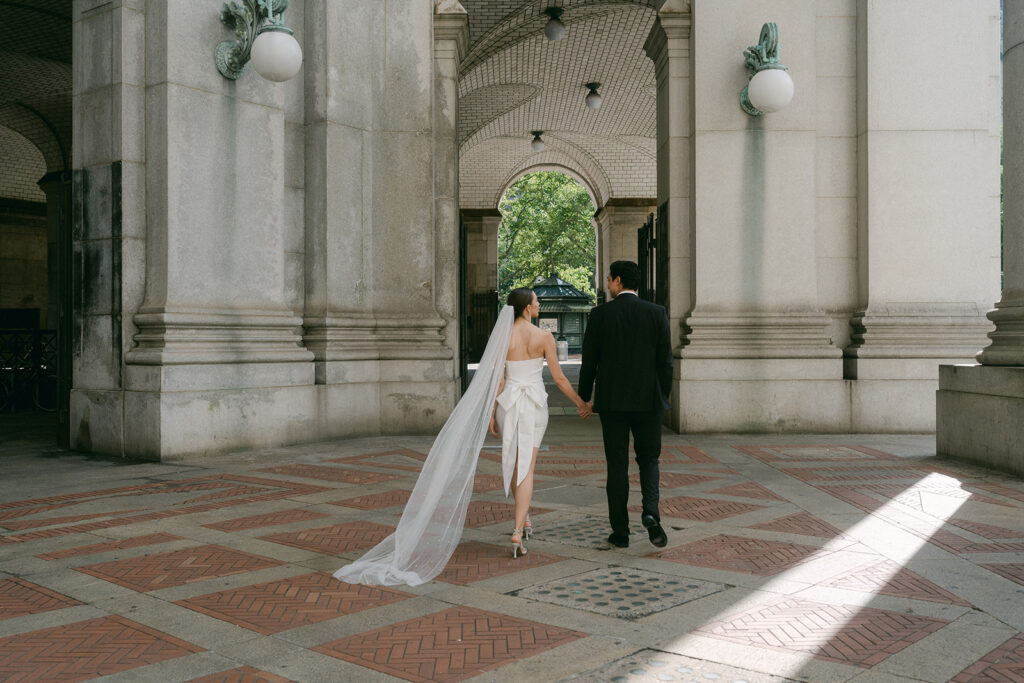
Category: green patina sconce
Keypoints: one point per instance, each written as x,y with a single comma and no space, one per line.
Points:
770,87
260,36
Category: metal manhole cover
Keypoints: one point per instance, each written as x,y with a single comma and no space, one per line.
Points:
621,592
583,532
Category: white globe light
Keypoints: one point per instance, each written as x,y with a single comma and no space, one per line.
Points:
276,55
594,100
554,30
770,90
537,145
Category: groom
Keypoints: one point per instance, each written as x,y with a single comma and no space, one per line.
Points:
627,349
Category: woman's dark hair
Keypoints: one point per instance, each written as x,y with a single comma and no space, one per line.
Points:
628,271
519,298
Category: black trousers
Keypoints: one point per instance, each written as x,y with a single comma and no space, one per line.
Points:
646,429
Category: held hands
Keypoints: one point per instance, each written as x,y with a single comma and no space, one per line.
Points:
585,409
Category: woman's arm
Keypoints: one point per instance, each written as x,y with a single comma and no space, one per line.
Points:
561,381
493,427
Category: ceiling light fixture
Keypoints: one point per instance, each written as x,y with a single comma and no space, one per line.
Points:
537,145
554,29
593,98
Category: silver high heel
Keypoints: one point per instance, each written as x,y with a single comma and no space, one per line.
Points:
517,545
527,529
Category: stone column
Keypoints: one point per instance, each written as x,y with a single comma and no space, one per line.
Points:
757,355
108,216
374,284
668,46
218,362
980,408
928,157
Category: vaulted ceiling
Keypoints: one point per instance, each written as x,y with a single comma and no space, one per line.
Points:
513,81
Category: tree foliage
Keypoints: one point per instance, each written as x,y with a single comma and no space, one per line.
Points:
546,228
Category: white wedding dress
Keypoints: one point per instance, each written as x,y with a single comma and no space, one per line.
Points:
431,524
523,416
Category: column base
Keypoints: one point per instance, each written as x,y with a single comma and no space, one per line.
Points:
979,413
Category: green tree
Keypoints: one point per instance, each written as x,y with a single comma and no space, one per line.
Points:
546,229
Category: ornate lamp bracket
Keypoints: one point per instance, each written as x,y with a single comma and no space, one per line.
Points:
248,19
764,55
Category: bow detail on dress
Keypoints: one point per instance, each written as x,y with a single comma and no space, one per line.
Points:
520,402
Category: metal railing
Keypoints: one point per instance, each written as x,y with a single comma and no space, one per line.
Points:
28,370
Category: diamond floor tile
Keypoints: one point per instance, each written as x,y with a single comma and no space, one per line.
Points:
1005,664
85,650
673,480
474,561
889,578
861,637
452,645
621,592
655,666
164,570
700,509
748,489
1013,572
483,483
268,519
738,554
19,598
332,540
398,459
803,523
376,501
277,606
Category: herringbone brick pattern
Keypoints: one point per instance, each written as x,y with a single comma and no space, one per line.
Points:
327,473
673,480
810,453
474,561
121,544
243,674
1005,664
452,645
837,633
1014,494
687,454
19,597
22,524
483,483
748,490
267,519
397,459
152,572
700,509
803,523
560,473
889,578
277,606
484,512
738,554
376,501
85,650
1013,572
332,540
879,471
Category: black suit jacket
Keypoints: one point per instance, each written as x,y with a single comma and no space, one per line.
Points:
628,352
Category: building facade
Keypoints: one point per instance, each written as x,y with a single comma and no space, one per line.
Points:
254,263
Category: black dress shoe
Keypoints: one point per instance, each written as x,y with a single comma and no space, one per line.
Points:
654,531
619,540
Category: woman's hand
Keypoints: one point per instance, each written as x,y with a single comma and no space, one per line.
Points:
493,428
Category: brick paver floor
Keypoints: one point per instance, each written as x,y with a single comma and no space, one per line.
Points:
810,558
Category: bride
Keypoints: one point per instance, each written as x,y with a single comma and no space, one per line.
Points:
507,390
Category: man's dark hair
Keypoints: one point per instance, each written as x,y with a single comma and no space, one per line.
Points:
519,298
628,272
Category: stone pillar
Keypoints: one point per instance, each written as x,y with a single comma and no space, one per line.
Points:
980,408
54,184
757,354
928,157
108,216
668,46
218,362
373,280
451,41
618,222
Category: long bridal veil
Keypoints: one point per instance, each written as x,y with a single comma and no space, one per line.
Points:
431,525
